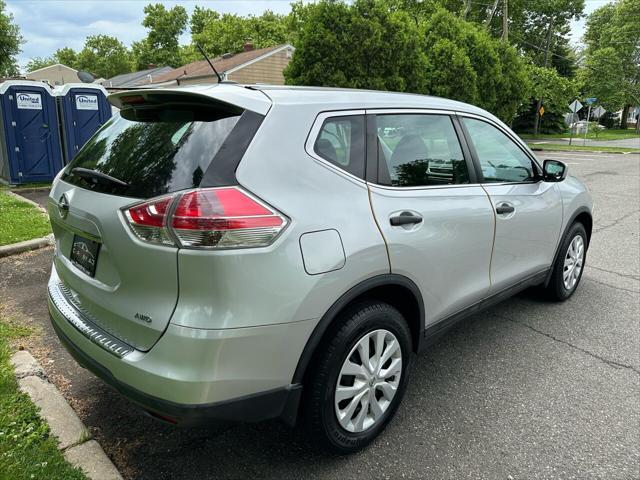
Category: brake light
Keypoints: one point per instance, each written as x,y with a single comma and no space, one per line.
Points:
226,217
148,220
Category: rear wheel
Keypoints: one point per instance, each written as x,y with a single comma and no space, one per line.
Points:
359,377
567,271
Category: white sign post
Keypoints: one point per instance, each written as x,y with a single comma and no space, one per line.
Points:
598,112
575,107
590,102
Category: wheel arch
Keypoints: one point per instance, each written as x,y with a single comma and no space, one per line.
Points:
397,290
581,215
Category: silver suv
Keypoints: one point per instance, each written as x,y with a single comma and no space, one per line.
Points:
244,253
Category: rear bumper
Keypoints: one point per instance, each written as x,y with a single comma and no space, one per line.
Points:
280,402
191,376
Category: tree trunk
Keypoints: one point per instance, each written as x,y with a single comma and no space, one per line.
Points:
467,7
623,117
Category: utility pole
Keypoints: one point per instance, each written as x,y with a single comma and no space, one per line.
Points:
505,20
491,13
536,125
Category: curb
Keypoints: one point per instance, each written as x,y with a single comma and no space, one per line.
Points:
579,151
74,439
20,247
17,196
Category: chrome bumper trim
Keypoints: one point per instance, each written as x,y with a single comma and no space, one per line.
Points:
85,326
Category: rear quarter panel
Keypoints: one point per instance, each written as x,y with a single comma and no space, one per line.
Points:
239,288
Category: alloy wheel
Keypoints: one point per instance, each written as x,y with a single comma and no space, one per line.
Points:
573,262
368,381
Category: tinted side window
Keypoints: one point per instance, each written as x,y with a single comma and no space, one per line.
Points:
418,150
500,158
341,142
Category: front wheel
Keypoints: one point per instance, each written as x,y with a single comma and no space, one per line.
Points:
359,377
567,271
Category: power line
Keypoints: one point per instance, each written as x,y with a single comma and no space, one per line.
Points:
571,60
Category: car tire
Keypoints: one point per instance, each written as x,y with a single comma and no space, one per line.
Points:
364,327
569,265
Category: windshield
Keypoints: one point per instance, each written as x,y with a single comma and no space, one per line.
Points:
165,151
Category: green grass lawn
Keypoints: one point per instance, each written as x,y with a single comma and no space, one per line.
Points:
20,221
579,148
27,449
610,134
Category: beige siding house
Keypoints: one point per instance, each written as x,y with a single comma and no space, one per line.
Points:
57,74
264,65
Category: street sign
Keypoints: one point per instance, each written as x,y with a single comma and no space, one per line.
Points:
590,100
575,107
541,111
598,112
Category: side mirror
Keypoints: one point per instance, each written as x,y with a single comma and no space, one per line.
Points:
554,171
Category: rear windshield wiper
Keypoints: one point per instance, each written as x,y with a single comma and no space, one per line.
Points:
96,175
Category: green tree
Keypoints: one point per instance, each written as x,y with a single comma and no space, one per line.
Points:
200,18
557,92
528,20
37,63
66,56
467,64
103,56
612,56
389,50
161,45
229,32
10,41
383,50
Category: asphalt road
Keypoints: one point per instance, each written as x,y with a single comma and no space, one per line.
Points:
525,390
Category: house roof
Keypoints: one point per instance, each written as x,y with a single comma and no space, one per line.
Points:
202,67
49,66
135,78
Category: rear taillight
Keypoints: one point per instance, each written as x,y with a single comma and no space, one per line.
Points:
225,217
148,220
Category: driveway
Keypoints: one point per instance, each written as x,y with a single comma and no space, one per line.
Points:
525,390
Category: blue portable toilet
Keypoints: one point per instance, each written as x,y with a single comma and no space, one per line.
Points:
83,110
30,149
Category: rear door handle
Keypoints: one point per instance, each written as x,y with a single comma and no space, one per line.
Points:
405,218
504,208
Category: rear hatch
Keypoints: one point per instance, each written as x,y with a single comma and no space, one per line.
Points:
162,142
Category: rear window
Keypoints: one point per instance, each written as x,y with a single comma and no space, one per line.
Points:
157,151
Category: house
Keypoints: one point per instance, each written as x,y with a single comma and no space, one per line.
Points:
135,79
57,74
262,65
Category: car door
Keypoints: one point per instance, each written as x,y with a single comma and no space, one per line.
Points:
436,220
528,210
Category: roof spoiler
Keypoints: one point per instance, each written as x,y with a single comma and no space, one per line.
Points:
231,96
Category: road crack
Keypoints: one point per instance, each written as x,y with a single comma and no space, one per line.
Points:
591,279
609,362
624,275
616,221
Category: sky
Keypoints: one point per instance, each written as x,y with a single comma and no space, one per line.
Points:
47,25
